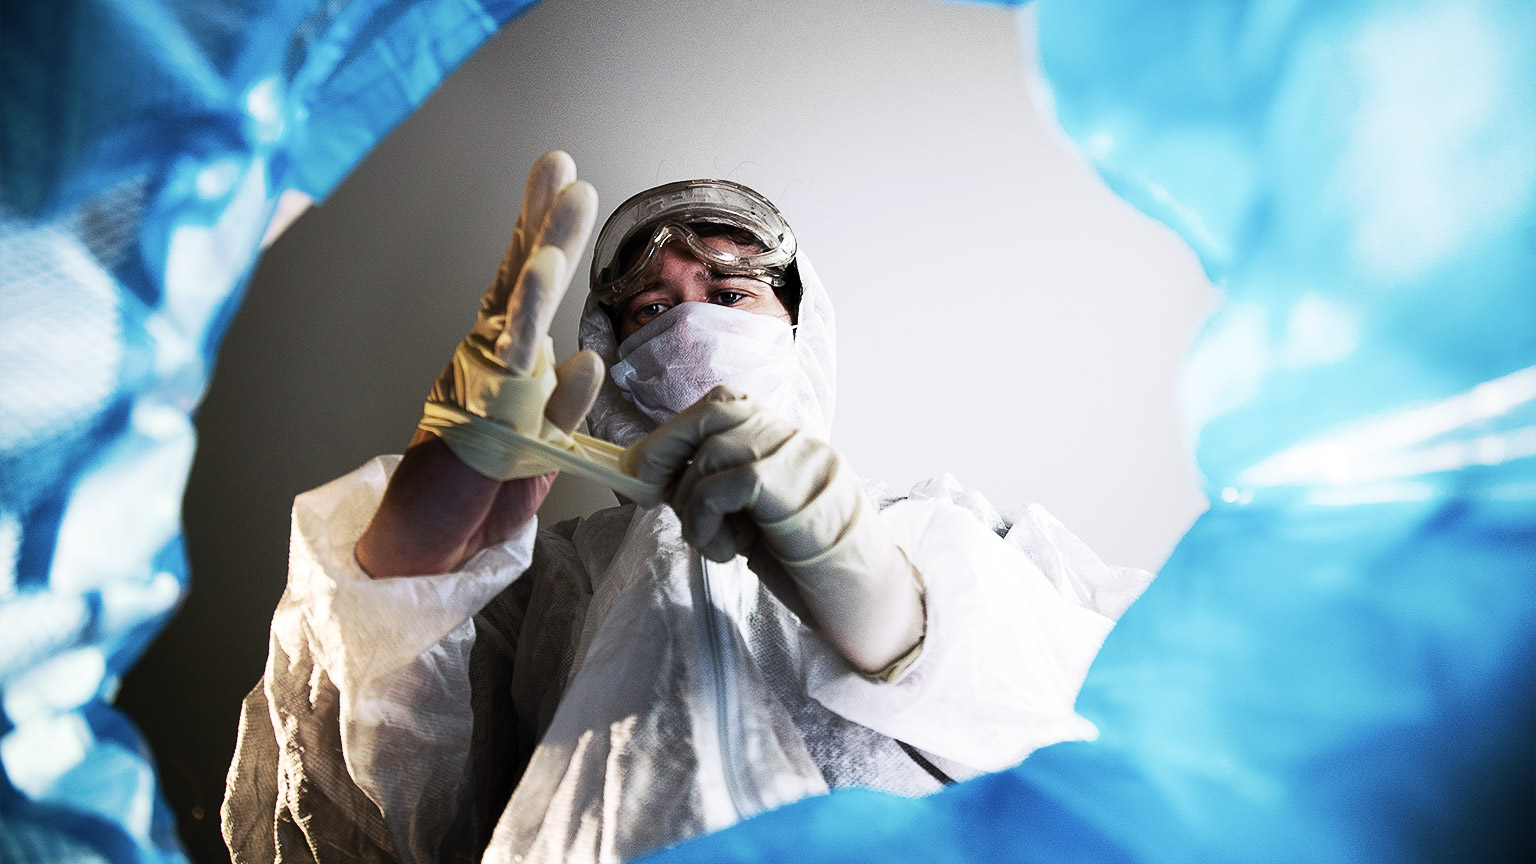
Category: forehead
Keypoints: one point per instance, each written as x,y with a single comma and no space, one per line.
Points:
674,267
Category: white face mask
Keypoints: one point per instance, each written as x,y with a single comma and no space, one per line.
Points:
691,348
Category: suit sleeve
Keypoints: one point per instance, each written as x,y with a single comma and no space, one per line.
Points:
357,743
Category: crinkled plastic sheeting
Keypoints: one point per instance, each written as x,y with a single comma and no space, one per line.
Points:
145,145
1336,664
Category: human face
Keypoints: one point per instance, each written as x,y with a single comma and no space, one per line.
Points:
678,277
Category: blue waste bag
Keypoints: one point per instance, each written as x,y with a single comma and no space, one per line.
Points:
1336,664
145,146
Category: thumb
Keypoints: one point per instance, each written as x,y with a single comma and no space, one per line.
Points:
576,384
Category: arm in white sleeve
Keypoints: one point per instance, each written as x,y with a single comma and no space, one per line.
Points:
1006,645
397,652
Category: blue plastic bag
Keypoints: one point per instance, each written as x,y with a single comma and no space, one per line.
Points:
145,147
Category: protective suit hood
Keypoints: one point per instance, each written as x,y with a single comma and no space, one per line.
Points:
615,418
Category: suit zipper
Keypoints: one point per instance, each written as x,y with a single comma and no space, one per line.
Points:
711,599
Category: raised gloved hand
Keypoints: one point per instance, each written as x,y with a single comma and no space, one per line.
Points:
503,372
457,490
734,473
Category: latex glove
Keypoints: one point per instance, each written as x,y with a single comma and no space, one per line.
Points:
735,472
504,369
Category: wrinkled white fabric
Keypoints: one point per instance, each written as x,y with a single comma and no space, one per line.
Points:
650,695
986,605
632,758
334,589
396,649
690,349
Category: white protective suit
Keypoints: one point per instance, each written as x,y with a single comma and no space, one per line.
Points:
624,692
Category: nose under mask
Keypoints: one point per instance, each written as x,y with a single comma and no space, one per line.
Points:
692,348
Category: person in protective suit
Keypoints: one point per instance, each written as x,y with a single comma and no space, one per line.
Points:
448,681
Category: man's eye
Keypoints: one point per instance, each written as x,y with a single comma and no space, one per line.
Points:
650,310
728,298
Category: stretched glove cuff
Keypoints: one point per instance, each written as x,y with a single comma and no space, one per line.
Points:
495,450
477,400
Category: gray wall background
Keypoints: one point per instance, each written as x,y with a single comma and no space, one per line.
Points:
1002,316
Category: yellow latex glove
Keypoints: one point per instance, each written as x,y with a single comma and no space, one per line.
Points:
503,373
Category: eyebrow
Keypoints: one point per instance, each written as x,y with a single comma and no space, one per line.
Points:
717,278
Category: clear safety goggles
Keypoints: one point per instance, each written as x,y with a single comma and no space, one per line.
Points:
684,212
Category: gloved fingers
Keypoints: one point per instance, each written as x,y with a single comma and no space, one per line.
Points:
532,308
703,503
743,445
755,438
735,537
576,384
661,454
550,173
720,548
569,221
790,468
542,285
